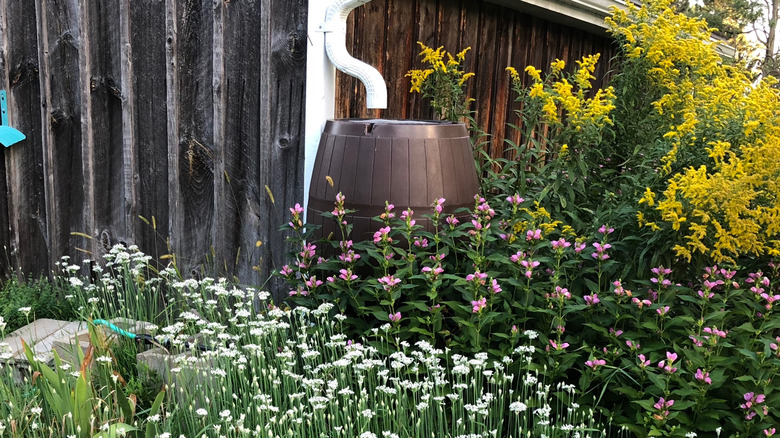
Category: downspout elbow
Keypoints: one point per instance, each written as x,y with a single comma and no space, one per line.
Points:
335,28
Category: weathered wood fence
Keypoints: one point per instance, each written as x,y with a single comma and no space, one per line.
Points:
188,113
384,33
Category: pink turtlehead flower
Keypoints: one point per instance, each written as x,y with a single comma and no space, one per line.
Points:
643,361
347,275
515,258
558,347
601,251
438,205
312,282
595,363
515,200
703,376
478,305
389,282
660,270
706,295
477,277
529,265
667,365
494,286
395,317
533,234
560,244
641,303
606,230
662,406
591,299
383,235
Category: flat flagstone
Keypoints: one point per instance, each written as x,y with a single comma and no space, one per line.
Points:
44,336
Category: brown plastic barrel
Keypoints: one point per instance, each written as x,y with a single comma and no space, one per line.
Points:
408,163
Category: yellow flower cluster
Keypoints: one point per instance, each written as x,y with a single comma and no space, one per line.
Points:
722,166
442,81
565,100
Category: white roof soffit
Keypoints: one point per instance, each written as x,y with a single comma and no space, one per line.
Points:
584,14
587,15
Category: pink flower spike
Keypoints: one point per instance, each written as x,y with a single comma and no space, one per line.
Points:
770,432
514,199
395,317
296,210
701,375
595,363
478,305
671,356
494,285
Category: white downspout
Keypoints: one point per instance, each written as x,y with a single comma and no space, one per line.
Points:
329,37
335,29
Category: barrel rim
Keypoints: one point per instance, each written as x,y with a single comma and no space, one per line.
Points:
394,128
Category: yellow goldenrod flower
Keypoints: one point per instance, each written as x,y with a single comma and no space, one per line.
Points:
534,73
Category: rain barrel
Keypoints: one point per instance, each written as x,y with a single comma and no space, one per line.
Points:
408,163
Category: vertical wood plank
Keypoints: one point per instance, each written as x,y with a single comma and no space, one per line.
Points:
147,32
425,33
104,93
286,115
129,146
500,81
486,69
5,232
191,131
60,59
469,31
400,56
448,20
5,235
24,161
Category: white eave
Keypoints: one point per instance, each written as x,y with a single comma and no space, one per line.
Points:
584,14
587,15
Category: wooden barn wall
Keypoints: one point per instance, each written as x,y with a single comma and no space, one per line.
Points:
384,33
159,123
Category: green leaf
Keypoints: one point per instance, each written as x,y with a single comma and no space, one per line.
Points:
151,428
114,431
82,403
124,403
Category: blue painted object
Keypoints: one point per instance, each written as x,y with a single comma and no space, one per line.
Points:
8,135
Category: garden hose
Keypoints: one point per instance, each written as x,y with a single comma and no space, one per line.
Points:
148,339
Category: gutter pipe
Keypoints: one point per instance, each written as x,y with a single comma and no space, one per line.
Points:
335,29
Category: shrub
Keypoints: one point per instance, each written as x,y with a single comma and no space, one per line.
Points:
718,132
22,301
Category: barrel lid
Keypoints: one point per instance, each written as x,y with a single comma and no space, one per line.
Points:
396,128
